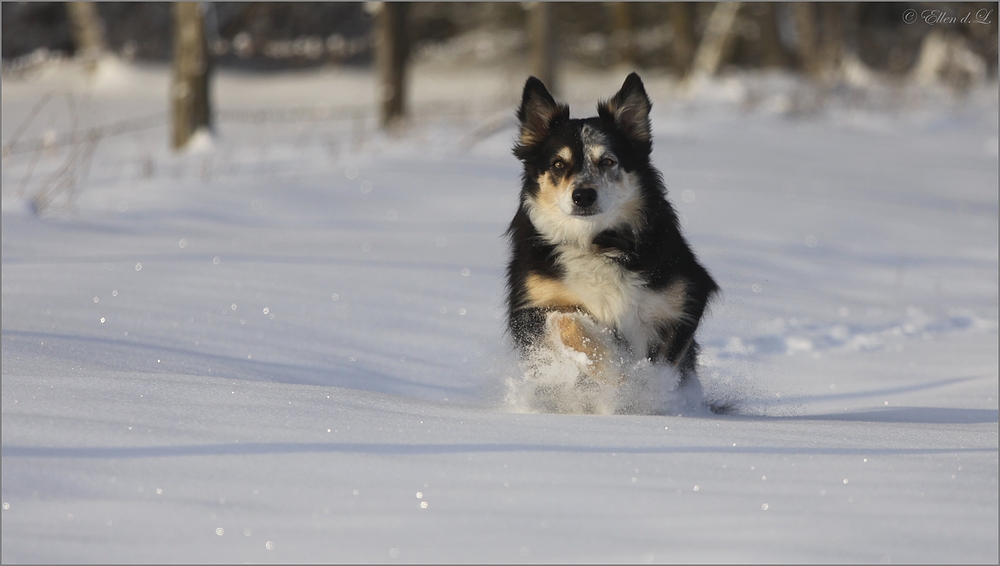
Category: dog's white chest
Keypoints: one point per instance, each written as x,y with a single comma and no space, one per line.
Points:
619,298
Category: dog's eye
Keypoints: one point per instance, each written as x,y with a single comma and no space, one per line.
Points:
607,162
559,164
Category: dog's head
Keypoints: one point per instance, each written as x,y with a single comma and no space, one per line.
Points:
582,177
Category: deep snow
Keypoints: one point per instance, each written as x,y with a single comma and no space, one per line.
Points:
286,344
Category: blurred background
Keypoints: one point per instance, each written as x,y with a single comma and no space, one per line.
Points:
334,77
805,37
830,44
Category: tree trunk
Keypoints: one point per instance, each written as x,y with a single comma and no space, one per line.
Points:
832,17
87,31
718,37
773,53
682,24
189,90
392,51
621,33
807,30
542,44
852,28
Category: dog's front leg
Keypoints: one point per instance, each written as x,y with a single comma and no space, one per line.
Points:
580,337
678,348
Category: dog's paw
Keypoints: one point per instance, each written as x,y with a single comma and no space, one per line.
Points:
616,246
582,340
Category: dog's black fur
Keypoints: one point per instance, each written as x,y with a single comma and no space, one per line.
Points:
641,238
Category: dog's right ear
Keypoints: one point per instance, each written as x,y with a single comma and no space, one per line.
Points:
629,110
538,113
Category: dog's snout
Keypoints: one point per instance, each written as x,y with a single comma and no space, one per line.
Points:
584,197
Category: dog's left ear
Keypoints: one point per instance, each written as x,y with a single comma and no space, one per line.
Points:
537,114
629,112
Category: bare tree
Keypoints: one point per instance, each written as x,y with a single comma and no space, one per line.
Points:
832,42
807,30
542,43
189,90
392,51
851,29
773,53
718,38
682,25
87,31
621,33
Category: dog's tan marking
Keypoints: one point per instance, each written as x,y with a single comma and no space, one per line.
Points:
551,192
596,153
545,292
668,305
575,337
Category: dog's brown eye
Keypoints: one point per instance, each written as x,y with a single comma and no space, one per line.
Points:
607,162
559,164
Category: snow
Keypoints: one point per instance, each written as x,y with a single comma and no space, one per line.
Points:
287,346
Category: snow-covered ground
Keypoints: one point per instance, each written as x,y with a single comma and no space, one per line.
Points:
286,344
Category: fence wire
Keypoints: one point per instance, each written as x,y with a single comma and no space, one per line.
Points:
64,159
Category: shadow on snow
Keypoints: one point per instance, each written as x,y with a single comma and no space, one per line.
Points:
390,449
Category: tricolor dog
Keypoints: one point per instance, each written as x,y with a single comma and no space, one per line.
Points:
599,269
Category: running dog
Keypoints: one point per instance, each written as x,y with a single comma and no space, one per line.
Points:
599,269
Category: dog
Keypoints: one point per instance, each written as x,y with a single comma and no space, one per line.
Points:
599,269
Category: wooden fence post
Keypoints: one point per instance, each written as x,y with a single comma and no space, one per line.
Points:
189,89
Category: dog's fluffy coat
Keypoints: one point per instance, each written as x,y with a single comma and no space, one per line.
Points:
599,268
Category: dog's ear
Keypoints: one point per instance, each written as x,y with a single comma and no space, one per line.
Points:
629,112
538,113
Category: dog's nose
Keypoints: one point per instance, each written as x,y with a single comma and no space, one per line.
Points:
584,197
